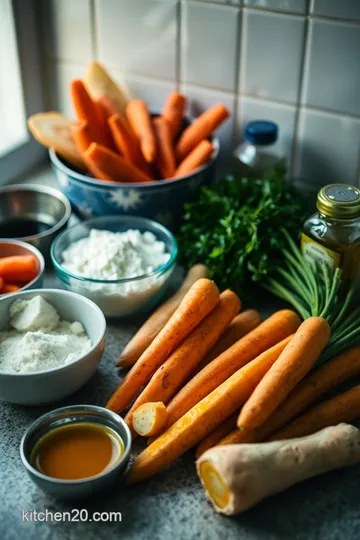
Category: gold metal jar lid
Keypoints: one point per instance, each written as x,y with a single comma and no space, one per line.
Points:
339,201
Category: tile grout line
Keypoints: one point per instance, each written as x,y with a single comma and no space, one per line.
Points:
303,67
179,39
240,42
93,30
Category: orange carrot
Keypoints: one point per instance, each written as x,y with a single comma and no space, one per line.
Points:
82,137
271,331
104,126
172,374
108,106
317,383
138,115
149,419
150,329
1,283
195,159
127,143
200,129
165,157
293,364
9,288
113,165
217,434
344,407
239,436
173,112
204,416
199,301
18,268
241,325
86,109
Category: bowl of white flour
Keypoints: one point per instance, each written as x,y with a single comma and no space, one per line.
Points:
122,263
51,342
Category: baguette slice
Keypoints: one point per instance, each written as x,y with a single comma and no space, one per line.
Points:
100,83
53,130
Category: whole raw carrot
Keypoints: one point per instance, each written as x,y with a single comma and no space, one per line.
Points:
150,329
173,112
105,129
203,417
195,159
292,365
127,143
18,268
113,165
198,302
239,436
9,288
138,115
86,109
241,325
217,434
200,129
170,376
165,157
316,384
271,331
82,136
344,407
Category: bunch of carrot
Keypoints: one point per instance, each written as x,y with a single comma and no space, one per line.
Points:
130,146
212,376
16,271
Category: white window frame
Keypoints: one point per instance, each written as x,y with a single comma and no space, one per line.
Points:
23,158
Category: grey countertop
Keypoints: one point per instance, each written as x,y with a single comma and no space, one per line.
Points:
171,505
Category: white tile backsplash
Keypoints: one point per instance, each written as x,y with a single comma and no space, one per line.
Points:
328,148
68,30
272,55
342,9
295,62
283,115
61,75
201,22
289,6
138,36
332,67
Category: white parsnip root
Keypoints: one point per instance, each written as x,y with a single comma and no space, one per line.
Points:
237,477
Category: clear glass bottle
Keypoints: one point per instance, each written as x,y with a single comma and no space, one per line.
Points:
255,155
332,235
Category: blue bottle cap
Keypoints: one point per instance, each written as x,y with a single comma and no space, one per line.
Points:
261,132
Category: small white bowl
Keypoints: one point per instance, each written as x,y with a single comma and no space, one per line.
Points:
54,384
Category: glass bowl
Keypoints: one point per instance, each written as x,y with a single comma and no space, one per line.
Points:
121,297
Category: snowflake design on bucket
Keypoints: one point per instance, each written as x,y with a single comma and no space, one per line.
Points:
126,199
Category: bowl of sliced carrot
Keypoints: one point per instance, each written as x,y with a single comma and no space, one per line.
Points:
21,267
119,157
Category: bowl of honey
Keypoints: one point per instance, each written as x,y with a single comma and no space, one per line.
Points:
74,452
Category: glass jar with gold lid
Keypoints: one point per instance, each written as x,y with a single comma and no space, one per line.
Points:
332,235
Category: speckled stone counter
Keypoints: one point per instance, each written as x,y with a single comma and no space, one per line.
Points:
172,505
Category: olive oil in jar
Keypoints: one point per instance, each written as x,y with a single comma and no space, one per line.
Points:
332,235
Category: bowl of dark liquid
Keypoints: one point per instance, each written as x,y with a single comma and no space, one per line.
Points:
33,214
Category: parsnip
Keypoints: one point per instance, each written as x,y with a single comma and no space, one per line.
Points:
237,477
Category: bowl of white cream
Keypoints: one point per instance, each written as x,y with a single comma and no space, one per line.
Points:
51,343
122,263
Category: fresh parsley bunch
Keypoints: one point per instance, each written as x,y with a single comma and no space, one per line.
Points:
235,228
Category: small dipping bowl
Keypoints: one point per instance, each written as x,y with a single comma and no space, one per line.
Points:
119,297
75,414
34,214
8,248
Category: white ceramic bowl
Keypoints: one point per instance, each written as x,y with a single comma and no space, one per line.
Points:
54,384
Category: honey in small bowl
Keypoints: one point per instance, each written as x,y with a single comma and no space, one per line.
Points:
77,451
